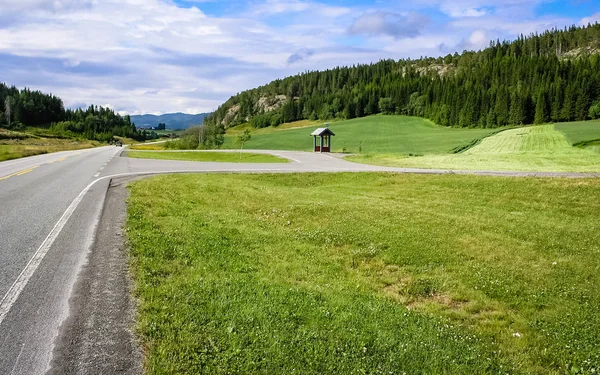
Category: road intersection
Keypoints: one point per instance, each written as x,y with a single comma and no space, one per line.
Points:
51,207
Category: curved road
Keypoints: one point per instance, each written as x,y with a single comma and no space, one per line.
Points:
51,206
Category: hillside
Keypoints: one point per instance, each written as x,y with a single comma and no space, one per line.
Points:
374,134
554,77
173,121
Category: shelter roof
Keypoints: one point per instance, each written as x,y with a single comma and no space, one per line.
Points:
322,132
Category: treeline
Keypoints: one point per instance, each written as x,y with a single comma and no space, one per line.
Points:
554,76
99,123
26,108
199,137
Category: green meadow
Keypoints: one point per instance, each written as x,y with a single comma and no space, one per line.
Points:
580,133
545,148
366,273
208,156
374,134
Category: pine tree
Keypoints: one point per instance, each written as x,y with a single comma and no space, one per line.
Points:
541,109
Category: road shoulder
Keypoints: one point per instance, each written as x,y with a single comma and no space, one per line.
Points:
98,336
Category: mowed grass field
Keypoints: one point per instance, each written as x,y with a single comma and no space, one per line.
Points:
580,133
532,148
375,134
366,274
206,156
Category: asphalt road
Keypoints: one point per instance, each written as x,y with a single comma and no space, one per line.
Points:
51,206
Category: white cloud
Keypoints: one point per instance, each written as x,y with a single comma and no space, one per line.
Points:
271,7
594,18
152,56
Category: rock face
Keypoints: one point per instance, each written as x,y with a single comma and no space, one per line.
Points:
263,105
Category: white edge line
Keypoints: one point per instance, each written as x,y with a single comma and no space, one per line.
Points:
17,287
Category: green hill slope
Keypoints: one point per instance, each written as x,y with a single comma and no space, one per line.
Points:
535,148
374,134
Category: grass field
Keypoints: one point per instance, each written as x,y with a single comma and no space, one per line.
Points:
375,134
15,145
366,273
580,132
225,157
535,148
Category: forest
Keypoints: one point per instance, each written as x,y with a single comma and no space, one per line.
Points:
540,78
26,108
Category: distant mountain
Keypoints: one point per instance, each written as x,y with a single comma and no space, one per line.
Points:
172,120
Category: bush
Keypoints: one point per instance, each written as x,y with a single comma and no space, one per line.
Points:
594,112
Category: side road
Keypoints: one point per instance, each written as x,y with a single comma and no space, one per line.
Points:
324,162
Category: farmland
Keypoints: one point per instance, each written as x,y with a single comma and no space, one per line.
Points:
375,134
366,273
533,148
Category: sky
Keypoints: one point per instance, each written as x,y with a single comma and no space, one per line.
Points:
161,56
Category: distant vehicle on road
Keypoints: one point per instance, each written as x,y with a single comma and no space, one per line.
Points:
119,144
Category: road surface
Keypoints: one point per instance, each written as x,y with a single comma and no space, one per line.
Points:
51,207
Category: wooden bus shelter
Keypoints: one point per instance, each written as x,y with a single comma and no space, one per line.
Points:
324,145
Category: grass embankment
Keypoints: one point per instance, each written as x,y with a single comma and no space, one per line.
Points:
15,145
208,156
534,148
366,273
374,134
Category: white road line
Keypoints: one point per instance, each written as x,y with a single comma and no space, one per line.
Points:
286,157
17,287
19,284
15,290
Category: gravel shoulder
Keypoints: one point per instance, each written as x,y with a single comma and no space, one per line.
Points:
98,336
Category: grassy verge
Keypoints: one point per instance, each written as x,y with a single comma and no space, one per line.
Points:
374,134
148,147
366,273
16,148
225,157
535,148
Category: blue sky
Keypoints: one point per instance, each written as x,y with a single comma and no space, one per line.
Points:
158,56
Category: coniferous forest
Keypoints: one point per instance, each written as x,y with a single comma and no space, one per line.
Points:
550,77
27,108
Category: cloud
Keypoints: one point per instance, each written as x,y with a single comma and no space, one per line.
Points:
272,7
300,55
153,56
594,18
457,10
380,23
